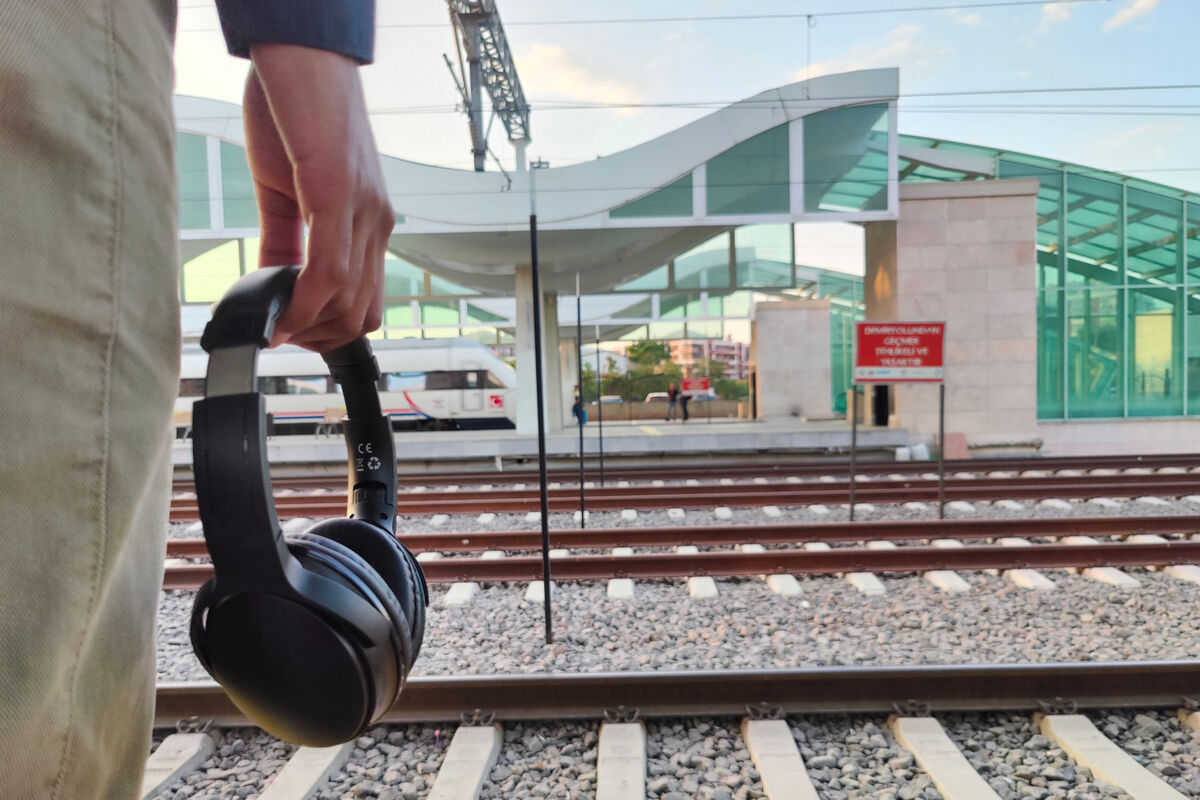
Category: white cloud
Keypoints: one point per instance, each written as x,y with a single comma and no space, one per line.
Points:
1148,136
1052,14
1131,11
971,20
898,47
549,72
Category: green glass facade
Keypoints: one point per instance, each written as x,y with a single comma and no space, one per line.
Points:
1118,287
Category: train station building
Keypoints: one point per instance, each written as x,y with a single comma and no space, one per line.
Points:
1067,292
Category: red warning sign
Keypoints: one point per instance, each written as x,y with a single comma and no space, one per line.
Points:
899,352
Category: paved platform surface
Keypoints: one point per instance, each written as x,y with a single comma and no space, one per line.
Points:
620,438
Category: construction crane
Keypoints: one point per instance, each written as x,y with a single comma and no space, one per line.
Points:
489,66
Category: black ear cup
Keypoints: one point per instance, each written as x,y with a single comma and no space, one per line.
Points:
324,555
290,666
394,563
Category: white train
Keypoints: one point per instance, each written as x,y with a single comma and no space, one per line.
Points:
426,383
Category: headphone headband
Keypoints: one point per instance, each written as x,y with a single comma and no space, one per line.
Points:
229,446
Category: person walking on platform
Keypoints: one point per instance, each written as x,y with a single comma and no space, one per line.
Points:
672,401
89,317
683,401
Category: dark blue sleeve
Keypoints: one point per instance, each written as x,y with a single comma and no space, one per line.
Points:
341,26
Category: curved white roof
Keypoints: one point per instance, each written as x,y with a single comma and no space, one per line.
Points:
472,227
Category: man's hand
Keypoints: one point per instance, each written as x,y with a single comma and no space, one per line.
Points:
314,163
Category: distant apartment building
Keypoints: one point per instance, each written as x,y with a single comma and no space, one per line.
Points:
691,355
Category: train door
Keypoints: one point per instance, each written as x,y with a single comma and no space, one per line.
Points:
474,380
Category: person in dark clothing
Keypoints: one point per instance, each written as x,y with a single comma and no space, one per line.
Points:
683,401
672,401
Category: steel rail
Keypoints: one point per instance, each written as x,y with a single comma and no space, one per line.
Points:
725,535
789,561
333,478
824,690
706,496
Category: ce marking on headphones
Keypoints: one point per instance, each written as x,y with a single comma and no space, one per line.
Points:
365,460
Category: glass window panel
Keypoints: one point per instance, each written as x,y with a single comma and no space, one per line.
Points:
1094,253
481,334
751,177
657,278
439,285
707,329
402,279
1193,352
1050,355
1155,351
1094,353
764,255
439,333
673,200
642,309
237,188
1152,227
207,276
736,304
1193,242
476,314
704,266
665,330
636,335
404,381
845,159
191,163
436,312
399,314
672,305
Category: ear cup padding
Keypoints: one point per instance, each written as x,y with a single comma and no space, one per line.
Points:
304,545
391,560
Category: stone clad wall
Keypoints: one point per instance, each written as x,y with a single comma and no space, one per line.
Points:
964,253
789,348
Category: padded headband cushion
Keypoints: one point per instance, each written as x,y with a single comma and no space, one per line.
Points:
391,560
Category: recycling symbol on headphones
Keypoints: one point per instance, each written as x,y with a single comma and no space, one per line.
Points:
373,462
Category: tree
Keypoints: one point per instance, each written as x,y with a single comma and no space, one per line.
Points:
648,352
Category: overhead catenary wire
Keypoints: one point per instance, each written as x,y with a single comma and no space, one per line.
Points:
722,17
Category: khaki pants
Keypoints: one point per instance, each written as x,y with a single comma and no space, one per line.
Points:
88,370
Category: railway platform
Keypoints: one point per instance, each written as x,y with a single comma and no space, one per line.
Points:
650,439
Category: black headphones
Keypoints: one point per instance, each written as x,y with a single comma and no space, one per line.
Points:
312,635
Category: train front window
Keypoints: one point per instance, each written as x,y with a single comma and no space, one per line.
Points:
295,384
404,381
493,382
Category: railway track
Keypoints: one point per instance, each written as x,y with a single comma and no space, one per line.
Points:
1142,684
332,476
732,535
615,756
788,561
184,509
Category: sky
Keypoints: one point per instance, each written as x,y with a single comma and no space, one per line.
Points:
573,53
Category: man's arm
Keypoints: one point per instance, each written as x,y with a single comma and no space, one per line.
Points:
314,162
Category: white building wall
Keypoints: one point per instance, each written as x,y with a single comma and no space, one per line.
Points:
789,348
965,254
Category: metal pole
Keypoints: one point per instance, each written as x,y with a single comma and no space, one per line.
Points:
600,404
853,443
579,387
541,410
942,450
